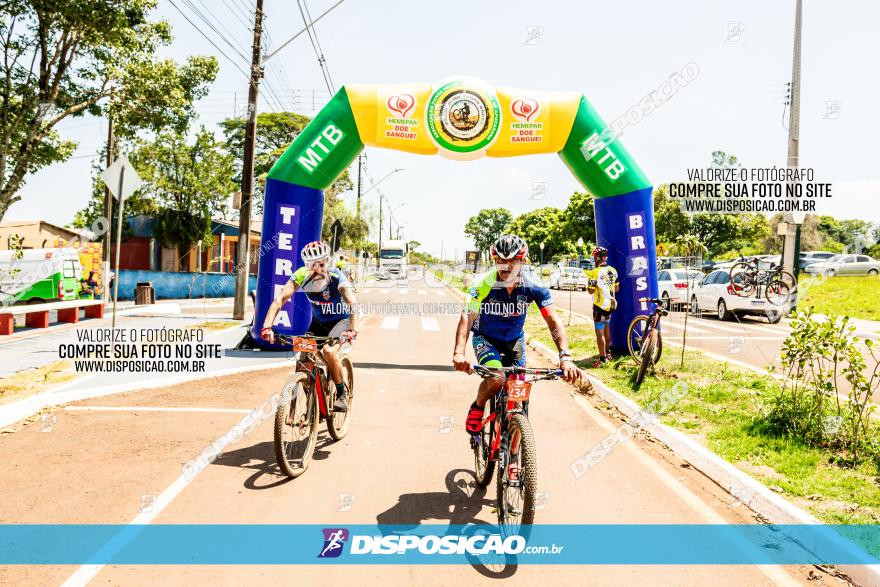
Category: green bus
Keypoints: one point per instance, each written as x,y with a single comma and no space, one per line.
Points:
39,275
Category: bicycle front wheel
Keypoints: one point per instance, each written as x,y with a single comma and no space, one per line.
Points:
646,359
296,426
518,478
339,423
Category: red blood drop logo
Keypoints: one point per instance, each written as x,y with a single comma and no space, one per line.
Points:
401,104
524,108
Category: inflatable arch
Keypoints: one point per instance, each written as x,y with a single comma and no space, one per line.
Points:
461,118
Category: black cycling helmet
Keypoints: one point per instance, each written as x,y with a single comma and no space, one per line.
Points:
600,252
510,246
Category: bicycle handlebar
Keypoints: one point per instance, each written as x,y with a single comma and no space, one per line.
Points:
485,372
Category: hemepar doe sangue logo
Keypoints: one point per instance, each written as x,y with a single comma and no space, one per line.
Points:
463,118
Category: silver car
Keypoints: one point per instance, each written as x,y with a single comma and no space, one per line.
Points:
846,264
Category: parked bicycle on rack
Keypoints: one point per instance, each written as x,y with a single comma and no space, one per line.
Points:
644,339
307,400
748,278
506,438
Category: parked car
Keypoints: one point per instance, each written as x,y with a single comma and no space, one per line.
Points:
810,257
708,265
673,284
714,294
845,264
569,278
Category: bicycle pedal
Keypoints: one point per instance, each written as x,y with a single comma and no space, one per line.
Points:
475,442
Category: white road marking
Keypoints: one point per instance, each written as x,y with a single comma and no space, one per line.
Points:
153,409
403,290
431,324
680,326
83,575
441,293
384,290
422,292
390,323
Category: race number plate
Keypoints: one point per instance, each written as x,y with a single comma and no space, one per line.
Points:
519,391
304,345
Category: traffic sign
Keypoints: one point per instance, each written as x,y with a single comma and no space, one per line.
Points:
121,176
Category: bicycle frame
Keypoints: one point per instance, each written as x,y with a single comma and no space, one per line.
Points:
504,408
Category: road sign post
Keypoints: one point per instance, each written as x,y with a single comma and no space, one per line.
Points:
122,180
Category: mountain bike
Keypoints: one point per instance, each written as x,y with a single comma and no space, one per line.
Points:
644,339
747,278
307,400
506,438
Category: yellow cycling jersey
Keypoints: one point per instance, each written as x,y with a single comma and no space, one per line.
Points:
605,277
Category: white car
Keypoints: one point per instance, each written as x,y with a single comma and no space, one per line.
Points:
672,284
715,295
845,265
569,278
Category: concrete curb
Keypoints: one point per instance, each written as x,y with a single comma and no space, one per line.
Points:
759,498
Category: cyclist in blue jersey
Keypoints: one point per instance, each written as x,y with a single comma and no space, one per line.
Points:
495,312
330,294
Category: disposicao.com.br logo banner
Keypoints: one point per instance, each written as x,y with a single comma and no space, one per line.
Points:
221,544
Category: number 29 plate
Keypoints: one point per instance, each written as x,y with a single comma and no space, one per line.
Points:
302,344
519,391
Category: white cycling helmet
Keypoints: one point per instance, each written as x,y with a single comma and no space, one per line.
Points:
510,246
315,251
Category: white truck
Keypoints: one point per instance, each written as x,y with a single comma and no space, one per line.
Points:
393,258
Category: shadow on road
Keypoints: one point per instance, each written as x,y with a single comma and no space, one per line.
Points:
260,458
460,505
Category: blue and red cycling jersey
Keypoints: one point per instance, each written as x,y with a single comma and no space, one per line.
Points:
501,315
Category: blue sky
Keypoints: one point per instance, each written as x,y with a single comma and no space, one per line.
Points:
615,53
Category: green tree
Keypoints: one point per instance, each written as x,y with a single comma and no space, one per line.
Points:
541,226
578,220
487,226
275,132
188,182
413,245
669,220
63,59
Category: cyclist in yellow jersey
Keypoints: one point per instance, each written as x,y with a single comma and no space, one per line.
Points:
603,285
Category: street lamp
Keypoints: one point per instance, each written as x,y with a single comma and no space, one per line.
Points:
542,253
580,248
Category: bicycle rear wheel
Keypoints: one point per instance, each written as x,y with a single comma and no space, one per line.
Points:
646,359
339,422
777,293
482,443
516,497
742,279
296,426
636,335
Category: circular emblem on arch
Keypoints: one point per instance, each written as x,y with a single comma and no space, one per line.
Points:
463,118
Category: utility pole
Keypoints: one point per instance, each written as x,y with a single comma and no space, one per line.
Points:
243,265
379,252
108,209
792,243
358,208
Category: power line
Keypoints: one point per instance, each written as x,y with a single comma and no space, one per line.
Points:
313,38
207,21
207,38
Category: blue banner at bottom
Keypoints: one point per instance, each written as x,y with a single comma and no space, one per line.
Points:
547,544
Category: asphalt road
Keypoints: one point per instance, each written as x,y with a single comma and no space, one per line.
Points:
117,459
